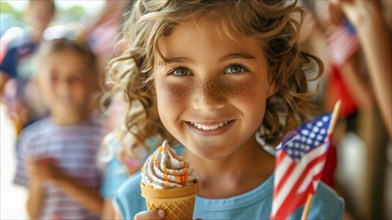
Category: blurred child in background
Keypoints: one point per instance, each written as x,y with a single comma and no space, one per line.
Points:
373,34
104,32
18,47
370,23
57,160
120,161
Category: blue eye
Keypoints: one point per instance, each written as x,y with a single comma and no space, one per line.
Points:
180,71
235,69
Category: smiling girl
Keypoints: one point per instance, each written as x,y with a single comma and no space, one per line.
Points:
211,75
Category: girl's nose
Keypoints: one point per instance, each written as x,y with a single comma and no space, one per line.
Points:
64,87
209,96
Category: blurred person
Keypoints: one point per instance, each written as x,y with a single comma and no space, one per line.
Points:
367,18
119,162
104,32
324,39
105,28
349,80
335,37
17,54
58,154
338,46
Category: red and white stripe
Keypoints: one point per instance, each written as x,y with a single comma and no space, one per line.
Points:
293,182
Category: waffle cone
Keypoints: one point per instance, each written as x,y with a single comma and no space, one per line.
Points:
178,203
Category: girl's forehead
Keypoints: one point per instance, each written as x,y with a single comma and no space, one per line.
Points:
212,23
64,56
65,59
206,32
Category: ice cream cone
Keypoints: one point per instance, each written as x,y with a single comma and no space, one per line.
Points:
178,203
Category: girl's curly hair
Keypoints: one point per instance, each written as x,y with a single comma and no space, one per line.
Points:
274,23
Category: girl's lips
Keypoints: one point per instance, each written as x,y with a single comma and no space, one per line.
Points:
210,129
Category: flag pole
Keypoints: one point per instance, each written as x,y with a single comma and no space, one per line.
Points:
334,119
335,116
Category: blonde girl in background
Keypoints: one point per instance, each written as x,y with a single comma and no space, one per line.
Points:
119,160
57,161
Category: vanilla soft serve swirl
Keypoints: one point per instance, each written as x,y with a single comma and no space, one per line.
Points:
164,169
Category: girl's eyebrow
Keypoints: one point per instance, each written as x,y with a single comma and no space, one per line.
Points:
226,57
236,56
177,59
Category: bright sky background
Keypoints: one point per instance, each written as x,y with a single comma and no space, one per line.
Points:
91,6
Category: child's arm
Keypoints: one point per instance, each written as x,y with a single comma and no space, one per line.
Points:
108,210
360,89
36,190
87,196
35,199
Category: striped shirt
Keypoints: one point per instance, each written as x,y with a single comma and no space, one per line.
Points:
75,150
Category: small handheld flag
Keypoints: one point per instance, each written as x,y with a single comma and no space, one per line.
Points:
342,43
299,164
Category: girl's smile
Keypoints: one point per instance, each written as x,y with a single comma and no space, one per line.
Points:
211,128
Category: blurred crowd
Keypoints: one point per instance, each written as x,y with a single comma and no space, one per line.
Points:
72,145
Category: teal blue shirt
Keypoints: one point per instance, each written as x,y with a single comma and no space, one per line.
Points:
255,204
114,176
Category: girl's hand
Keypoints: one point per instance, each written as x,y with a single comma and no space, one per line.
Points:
42,170
155,214
355,10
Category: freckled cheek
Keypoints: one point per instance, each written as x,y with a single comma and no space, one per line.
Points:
171,100
248,96
241,91
173,93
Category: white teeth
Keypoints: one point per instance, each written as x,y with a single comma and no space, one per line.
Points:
205,127
209,127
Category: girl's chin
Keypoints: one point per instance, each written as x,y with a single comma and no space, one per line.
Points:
211,152
69,110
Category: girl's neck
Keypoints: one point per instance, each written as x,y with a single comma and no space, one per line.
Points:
243,171
68,119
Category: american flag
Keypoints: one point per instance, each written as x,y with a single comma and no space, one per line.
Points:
342,43
299,164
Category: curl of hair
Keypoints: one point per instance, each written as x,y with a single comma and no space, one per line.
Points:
274,23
